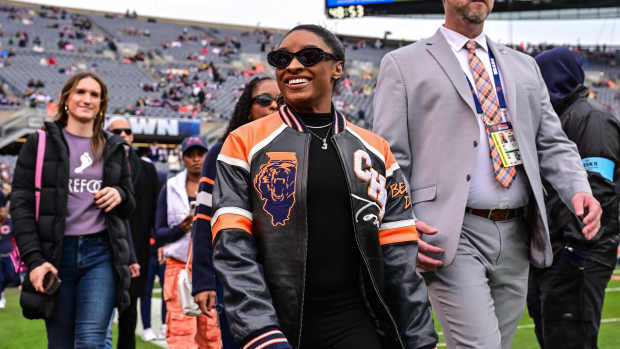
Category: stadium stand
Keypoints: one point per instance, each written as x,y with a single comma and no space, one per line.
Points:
172,69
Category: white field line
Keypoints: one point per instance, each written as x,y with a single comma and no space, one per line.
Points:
603,321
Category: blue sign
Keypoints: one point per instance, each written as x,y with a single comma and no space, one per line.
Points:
163,126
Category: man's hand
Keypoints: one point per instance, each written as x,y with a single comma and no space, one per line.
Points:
134,270
37,274
424,261
586,204
186,224
206,302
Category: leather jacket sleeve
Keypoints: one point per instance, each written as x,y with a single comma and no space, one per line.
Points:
249,308
405,290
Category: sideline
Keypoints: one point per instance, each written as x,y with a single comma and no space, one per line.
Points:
520,327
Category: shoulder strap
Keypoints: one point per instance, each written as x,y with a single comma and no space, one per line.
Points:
189,255
39,171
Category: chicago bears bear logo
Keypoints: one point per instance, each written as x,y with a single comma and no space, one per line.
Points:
275,182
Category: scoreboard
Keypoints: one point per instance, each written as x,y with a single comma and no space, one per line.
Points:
361,8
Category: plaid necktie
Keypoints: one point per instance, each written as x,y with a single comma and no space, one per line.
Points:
491,113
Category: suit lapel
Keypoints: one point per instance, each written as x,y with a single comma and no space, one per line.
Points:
441,51
508,79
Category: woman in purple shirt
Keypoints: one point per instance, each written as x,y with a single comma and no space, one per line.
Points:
77,252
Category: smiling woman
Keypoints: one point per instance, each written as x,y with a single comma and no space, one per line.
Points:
308,63
79,240
311,250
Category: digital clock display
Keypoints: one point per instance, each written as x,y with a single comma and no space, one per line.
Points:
360,8
340,12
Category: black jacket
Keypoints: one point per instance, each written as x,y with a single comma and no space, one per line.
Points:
597,135
42,241
141,222
260,232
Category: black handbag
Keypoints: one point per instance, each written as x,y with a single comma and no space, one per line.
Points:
35,305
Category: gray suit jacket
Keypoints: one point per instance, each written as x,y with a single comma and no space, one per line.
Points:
425,109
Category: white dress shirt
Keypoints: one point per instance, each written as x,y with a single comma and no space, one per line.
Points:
485,192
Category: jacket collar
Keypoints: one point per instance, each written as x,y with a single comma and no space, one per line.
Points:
291,118
561,106
439,48
54,131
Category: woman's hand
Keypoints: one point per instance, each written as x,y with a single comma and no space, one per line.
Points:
38,274
107,198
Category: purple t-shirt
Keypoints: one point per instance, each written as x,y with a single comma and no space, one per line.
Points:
85,179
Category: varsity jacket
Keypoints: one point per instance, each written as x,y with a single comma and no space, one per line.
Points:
260,232
203,274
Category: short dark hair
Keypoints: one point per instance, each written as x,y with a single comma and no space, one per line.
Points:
328,37
241,113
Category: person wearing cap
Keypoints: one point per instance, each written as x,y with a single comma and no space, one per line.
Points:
173,226
146,188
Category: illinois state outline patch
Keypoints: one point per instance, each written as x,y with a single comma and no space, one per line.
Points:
275,183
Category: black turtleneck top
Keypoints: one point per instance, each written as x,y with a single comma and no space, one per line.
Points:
334,314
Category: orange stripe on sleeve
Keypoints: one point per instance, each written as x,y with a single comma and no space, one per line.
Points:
389,160
202,216
207,180
375,141
231,221
241,141
396,235
235,147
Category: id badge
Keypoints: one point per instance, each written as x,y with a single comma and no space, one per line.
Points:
506,144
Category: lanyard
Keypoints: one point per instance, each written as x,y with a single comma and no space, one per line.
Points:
498,86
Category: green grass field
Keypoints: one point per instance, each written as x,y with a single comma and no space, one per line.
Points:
609,337
17,332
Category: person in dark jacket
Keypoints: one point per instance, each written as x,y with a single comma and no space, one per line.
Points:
80,237
257,100
146,188
566,299
314,237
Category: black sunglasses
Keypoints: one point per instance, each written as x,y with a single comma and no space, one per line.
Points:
308,56
264,99
118,131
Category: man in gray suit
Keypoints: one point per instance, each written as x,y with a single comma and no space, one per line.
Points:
471,125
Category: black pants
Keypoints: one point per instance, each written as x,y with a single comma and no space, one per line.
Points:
565,301
127,321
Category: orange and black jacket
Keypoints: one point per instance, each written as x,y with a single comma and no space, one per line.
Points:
260,232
